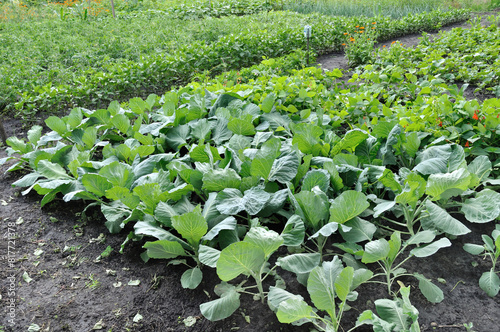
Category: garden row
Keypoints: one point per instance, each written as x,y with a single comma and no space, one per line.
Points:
43,73
462,55
222,176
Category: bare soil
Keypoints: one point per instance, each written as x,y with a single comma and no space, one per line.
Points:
70,290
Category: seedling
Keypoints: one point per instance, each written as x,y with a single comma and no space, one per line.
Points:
489,281
386,252
93,282
330,286
248,257
399,314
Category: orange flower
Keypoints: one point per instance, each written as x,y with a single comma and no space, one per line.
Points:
475,117
374,23
384,46
345,33
373,28
343,44
357,26
352,39
362,27
393,42
467,144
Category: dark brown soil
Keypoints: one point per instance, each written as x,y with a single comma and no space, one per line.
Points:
57,247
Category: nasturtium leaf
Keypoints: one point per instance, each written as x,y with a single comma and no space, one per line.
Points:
448,184
431,249
314,205
299,263
438,219
191,278
164,249
267,240
375,251
351,139
358,230
348,205
431,292
239,258
208,256
316,177
320,284
284,169
294,231
219,179
221,308
192,226
484,208
293,310
490,283
228,223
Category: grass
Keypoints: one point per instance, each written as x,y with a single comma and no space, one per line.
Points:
393,8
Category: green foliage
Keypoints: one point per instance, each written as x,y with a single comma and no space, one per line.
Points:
393,8
123,66
490,280
225,174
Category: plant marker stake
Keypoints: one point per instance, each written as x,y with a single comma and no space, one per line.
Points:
307,34
113,8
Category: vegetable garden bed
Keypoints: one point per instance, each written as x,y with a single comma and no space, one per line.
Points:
338,188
